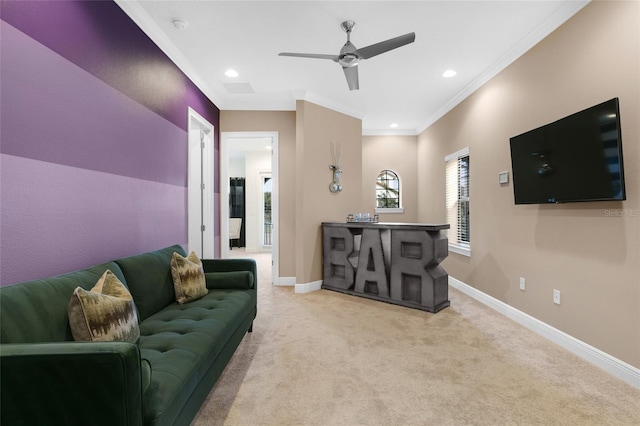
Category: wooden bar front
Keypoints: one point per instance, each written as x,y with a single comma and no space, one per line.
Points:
392,262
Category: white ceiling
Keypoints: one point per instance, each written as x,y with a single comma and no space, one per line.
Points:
241,146
405,86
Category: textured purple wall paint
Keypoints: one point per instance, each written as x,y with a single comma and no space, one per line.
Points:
57,218
97,170
81,121
100,38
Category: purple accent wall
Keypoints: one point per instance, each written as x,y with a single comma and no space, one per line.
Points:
57,218
93,162
100,38
58,112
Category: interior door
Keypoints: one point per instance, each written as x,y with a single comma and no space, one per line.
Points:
200,186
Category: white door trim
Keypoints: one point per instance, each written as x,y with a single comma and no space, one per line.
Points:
200,204
226,139
262,175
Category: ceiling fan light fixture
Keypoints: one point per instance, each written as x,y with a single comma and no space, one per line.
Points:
349,60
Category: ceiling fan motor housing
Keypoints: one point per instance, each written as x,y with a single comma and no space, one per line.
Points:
347,26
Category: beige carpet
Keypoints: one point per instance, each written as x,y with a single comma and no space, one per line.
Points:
325,358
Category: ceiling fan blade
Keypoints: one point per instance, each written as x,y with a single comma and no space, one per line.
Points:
385,46
310,55
352,77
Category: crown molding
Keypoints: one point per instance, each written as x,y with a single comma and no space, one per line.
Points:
563,14
142,19
389,132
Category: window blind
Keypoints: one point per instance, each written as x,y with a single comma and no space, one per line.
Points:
457,200
463,233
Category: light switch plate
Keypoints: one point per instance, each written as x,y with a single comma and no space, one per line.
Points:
503,177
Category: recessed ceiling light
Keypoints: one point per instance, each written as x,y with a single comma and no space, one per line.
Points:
393,125
231,73
449,73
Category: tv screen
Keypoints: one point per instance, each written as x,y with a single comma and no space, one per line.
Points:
577,158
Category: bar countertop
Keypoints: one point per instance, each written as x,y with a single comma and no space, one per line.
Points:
390,225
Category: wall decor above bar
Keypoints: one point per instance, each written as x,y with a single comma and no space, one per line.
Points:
397,263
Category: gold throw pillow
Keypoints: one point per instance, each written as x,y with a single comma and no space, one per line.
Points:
104,314
188,277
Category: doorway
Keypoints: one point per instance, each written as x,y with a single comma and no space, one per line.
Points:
254,143
200,205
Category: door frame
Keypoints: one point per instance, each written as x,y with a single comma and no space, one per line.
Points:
262,175
226,140
200,186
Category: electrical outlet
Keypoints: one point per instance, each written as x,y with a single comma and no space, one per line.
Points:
556,297
522,283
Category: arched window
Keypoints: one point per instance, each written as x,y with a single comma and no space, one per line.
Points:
388,190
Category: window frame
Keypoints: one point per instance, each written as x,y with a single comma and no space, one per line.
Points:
386,210
462,193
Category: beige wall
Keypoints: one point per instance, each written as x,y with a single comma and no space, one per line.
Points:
396,153
283,122
304,138
592,257
256,164
316,128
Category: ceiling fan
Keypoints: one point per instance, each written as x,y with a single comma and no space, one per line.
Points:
350,56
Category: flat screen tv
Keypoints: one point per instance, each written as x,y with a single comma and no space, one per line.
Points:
577,158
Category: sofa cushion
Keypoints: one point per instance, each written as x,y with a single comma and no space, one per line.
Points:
145,374
36,311
188,277
104,314
149,279
183,341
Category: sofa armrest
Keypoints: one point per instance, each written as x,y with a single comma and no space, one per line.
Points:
231,265
239,280
228,265
71,383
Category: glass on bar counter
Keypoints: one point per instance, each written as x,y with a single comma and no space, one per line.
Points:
362,217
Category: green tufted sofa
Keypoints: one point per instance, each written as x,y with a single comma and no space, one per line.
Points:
48,379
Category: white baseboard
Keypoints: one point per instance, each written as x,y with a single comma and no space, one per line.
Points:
308,287
286,281
610,364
